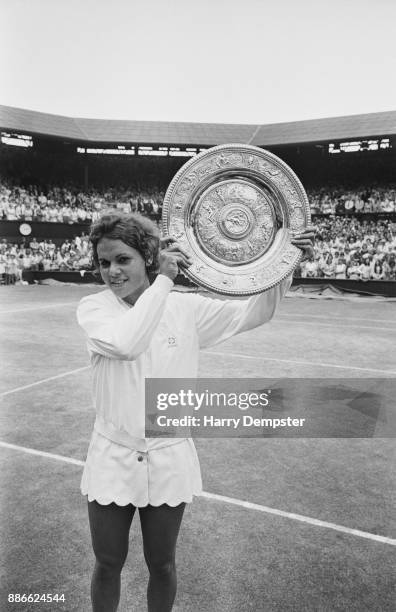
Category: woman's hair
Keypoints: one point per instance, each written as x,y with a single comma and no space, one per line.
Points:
133,229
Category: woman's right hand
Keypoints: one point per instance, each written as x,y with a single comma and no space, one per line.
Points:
172,256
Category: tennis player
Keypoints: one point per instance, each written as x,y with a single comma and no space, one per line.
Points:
137,328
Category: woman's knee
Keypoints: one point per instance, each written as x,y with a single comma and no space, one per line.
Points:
110,563
161,567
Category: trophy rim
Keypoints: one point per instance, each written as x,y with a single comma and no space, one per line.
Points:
243,173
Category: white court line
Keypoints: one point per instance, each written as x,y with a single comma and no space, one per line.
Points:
304,363
30,309
333,326
44,380
32,451
231,500
301,517
340,318
219,354
312,296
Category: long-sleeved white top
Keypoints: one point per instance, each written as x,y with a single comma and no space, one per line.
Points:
159,337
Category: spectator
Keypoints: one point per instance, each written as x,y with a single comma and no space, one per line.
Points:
311,268
353,271
340,268
2,269
377,271
390,267
365,270
328,266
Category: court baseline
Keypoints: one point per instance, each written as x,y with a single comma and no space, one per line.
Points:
231,500
337,327
280,315
44,380
304,363
336,319
218,354
44,307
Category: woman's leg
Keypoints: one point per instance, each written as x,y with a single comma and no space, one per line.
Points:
110,537
160,528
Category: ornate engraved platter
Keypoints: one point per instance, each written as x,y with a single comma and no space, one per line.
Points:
234,209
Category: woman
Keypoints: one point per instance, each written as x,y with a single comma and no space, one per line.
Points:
389,266
136,330
377,272
329,267
340,268
353,271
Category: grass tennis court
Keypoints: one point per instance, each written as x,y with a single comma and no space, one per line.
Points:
318,532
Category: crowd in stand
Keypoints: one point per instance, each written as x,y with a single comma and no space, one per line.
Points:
346,246
71,204
43,255
353,249
343,201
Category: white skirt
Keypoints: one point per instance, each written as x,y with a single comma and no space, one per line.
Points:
114,473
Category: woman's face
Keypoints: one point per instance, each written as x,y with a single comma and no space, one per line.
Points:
122,268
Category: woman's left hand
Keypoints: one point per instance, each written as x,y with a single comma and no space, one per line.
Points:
305,241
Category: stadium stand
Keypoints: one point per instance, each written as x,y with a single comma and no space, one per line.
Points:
61,172
346,248
73,204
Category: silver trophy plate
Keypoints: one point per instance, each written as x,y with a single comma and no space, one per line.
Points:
234,208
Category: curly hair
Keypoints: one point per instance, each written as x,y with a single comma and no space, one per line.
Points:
133,229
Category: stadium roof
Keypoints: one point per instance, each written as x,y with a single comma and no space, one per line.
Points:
182,133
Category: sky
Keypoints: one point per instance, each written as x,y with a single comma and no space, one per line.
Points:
222,61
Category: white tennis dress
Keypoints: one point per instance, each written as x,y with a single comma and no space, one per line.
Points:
159,337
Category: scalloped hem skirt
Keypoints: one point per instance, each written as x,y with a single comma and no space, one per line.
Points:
114,473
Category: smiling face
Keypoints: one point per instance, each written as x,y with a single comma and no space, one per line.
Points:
122,268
